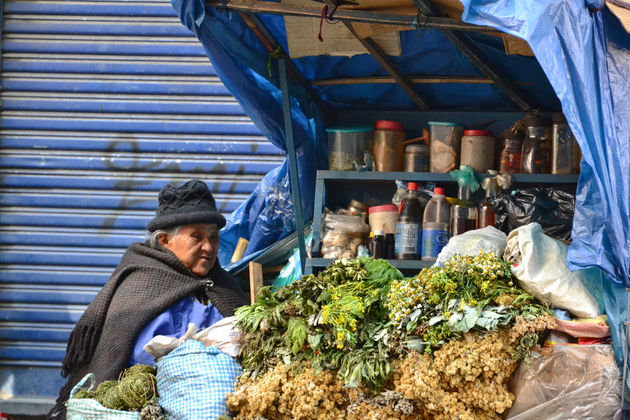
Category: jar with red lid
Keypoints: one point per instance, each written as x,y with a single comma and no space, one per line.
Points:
388,147
477,150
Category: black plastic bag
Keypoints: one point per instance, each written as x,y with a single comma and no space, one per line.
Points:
550,207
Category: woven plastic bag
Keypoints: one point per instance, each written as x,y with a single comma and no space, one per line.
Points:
90,409
193,379
539,264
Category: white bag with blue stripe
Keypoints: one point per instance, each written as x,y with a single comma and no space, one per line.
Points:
193,380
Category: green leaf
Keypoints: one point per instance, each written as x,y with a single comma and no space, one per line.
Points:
314,340
469,320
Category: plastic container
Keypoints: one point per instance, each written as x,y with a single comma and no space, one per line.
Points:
417,158
408,243
463,213
477,150
388,148
445,145
383,217
347,146
510,154
435,225
562,145
536,151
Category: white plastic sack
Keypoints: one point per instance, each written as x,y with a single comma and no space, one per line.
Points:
488,239
161,345
541,269
223,335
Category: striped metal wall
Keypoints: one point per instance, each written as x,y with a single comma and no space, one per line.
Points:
103,102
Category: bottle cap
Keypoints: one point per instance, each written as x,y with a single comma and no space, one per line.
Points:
385,207
484,133
371,234
412,186
438,191
379,232
389,125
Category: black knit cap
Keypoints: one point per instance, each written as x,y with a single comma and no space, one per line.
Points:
186,204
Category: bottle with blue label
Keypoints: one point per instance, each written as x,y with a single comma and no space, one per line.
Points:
435,225
408,239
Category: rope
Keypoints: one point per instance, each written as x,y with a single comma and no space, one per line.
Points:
321,22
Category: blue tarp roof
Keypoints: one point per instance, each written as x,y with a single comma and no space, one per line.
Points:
581,67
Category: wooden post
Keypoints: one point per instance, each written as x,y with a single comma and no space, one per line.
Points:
255,279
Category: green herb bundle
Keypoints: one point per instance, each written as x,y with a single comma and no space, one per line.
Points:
334,320
467,293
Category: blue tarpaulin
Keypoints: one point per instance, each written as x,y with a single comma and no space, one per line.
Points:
581,67
585,52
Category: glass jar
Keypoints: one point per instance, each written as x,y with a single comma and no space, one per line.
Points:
562,145
510,155
536,150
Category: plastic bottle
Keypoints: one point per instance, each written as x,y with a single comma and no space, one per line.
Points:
435,225
464,211
390,240
408,228
487,216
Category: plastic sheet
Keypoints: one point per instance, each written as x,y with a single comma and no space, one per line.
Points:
584,52
550,207
567,382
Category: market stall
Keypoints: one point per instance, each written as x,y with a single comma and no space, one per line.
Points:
435,333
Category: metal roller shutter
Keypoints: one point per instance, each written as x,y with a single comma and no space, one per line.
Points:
103,102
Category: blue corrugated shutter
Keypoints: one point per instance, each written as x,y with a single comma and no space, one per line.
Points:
103,102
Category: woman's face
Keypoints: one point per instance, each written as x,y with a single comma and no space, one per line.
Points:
195,245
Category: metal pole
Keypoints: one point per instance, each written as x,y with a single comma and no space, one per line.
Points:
293,168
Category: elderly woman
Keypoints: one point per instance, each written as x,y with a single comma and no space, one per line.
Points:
158,288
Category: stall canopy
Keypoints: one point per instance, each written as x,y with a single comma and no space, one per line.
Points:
581,58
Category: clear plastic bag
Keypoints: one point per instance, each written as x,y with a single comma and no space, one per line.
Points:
343,235
567,382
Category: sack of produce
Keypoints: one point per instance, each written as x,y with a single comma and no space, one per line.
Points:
567,382
91,409
550,207
539,264
193,379
488,239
